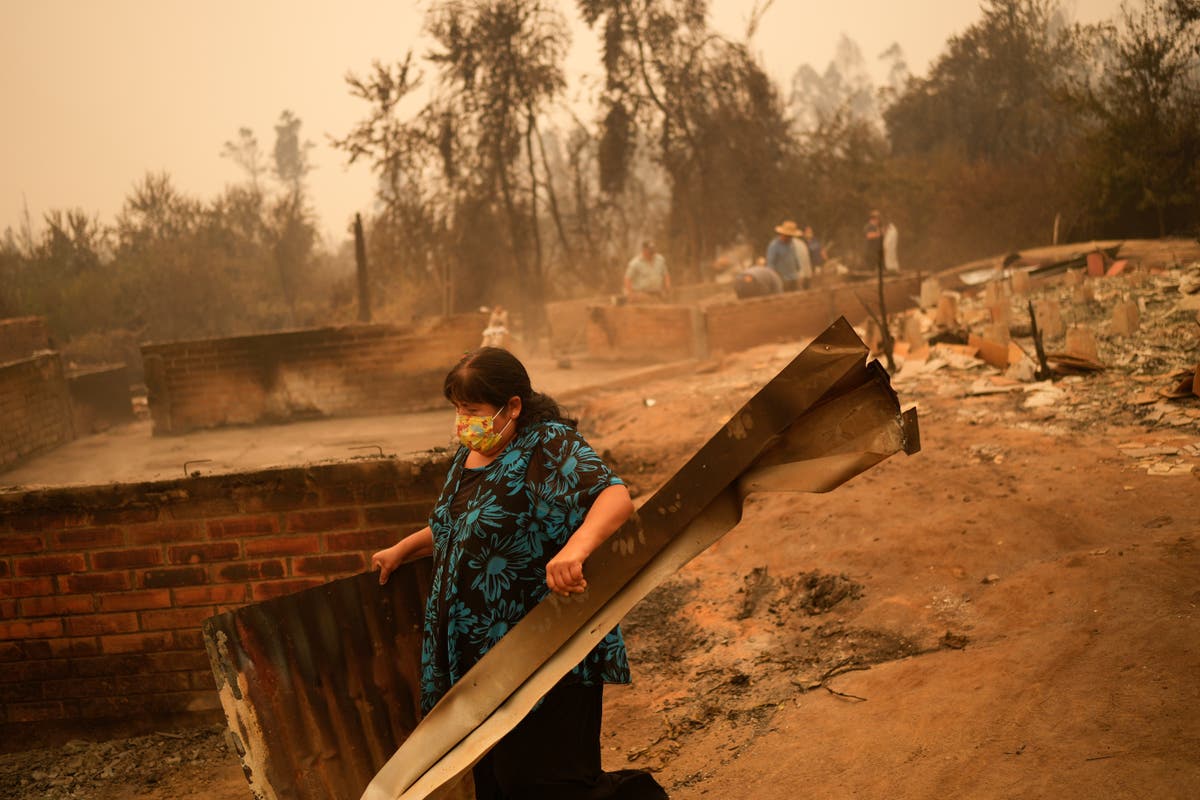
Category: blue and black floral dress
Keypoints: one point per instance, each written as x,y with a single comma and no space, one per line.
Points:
494,530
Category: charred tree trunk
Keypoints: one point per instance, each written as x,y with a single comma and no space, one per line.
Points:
360,260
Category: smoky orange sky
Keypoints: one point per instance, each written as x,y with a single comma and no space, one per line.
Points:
98,92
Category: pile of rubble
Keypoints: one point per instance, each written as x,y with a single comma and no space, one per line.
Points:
81,769
1113,342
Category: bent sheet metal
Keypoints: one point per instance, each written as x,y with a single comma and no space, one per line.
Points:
827,416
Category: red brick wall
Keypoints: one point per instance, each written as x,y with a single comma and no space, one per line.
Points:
323,372
35,407
103,589
21,337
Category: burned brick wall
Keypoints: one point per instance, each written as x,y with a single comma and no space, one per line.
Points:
103,589
35,407
644,333
672,332
741,324
568,323
354,370
21,337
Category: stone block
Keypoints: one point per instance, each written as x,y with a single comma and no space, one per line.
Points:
1081,343
1020,282
995,293
931,292
947,310
1126,318
998,332
912,332
1049,319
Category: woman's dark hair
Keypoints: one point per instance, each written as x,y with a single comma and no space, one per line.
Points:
493,375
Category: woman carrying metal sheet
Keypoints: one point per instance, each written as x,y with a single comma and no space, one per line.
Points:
525,502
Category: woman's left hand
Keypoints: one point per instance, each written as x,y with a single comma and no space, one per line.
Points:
564,572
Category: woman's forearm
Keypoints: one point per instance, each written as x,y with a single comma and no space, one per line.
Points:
609,511
416,545
411,547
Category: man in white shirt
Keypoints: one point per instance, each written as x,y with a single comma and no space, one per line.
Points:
646,277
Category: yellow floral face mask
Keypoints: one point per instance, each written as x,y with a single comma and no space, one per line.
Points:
479,433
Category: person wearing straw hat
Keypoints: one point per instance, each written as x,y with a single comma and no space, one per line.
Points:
781,255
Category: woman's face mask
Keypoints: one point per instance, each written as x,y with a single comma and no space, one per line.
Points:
479,433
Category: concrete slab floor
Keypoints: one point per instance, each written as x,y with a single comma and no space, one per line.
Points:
131,453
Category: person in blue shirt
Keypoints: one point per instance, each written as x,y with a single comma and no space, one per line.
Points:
781,255
525,502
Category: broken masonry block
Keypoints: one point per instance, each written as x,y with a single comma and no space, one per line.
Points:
1126,318
994,294
990,351
1095,264
1185,384
931,291
912,332
1081,343
1050,321
998,332
1020,282
947,310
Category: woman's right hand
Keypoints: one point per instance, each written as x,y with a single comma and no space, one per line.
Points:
415,545
387,560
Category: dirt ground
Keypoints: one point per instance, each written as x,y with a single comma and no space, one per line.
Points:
1011,612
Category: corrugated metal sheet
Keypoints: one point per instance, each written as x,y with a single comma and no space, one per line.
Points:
321,687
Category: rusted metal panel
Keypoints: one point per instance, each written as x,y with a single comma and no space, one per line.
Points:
824,418
321,687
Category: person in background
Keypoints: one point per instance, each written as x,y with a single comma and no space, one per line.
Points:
804,259
646,276
873,234
891,240
781,255
496,332
525,502
758,280
816,255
